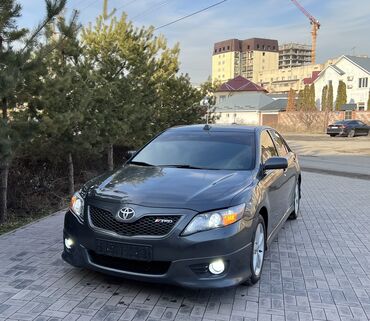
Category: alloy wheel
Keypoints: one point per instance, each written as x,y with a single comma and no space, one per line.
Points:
258,249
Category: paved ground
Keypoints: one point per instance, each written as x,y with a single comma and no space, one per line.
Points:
317,269
341,156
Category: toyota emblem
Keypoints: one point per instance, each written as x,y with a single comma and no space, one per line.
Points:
126,213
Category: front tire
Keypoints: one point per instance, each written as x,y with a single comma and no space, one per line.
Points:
297,199
333,135
258,252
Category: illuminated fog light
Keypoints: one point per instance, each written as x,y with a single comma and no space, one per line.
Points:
217,267
68,243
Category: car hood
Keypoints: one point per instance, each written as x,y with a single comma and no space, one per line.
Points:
194,189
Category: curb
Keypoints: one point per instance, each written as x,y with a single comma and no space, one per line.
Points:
33,222
336,173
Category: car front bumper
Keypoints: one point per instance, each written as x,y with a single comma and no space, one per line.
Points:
179,260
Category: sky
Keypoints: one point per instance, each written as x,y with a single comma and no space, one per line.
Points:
345,24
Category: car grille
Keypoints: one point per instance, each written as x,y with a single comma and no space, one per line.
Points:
144,226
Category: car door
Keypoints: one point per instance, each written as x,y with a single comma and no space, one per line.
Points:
362,128
272,181
290,174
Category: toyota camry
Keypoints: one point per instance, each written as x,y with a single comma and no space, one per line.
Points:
197,206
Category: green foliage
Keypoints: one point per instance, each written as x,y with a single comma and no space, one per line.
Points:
330,99
324,98
341,95
291,105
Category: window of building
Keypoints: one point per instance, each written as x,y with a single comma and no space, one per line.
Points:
263,47
273,47
215,50
258,46
222,98
361,106
249,47
263,54
348,114
219,49
228,47
362,82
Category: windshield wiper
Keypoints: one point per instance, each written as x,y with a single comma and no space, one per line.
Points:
140,163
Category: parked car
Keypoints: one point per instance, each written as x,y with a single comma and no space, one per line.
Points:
197,206
349,128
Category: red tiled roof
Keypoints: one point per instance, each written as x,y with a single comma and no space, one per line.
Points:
314,76
240,83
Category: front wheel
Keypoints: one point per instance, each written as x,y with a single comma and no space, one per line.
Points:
258,252
351,133
333,135
297,198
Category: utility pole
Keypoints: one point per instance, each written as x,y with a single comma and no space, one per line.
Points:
105,10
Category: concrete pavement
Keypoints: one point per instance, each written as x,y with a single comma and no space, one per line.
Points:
317,269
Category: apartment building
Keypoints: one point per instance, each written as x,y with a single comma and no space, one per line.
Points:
247,58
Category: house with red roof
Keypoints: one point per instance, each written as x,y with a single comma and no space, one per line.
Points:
241,101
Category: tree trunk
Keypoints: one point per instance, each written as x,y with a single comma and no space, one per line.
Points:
110,157
71,182
4,108
4,172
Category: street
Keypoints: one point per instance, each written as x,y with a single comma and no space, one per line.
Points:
317,269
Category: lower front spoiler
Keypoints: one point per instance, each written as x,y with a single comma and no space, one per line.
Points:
179,272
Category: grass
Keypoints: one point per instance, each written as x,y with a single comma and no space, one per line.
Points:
15,221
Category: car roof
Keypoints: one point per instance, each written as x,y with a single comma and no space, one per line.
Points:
219,128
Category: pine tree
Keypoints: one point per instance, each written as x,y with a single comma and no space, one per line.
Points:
341,95
324,98
312,101
291,104
16,61
301,100
330,99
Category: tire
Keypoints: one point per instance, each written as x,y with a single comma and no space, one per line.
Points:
351,133
333,135
297,198
258,252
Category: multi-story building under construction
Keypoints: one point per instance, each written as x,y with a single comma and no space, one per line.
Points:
294,55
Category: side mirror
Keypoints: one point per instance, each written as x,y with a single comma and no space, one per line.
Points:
130,153
276,163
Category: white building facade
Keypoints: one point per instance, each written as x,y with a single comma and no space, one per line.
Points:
354,72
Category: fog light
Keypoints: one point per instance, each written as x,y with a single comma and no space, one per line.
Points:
217,267
68,243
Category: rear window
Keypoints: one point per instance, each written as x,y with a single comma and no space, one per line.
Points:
202,149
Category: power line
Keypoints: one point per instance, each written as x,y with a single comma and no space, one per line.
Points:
150,9
190,15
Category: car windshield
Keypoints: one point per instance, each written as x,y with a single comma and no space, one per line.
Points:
201,149
341,122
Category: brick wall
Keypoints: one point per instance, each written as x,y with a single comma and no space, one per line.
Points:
315,122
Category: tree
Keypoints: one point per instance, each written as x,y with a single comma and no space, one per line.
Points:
341,95
15,61
67,122
312,101
291,105
324,98
301,100
330,99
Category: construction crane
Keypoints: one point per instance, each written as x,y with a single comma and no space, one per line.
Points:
315,26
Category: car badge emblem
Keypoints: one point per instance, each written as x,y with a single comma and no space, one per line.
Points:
125,214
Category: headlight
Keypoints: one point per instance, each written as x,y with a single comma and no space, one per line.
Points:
77,205
215,219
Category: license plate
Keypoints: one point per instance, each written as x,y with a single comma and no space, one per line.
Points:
334,127
124,250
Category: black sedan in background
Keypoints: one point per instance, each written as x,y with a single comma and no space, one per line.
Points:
348,128
197,206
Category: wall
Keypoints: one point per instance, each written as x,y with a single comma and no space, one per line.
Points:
315,121
264,60
239,117
223,66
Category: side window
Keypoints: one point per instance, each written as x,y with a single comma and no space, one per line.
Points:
279,143
267,147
